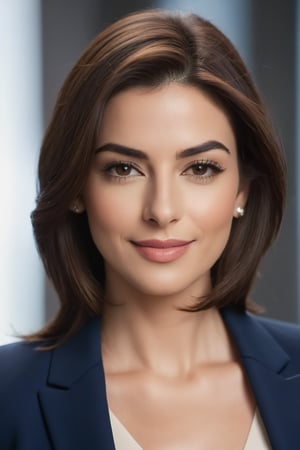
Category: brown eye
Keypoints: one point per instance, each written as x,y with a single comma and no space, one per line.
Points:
203,169
199,169
123,170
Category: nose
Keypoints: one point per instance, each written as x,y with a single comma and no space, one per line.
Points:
162,203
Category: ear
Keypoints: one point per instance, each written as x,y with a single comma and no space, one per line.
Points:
77,206
241,200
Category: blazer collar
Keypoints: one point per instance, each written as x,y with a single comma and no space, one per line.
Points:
254,341
76,356
74,403
274,380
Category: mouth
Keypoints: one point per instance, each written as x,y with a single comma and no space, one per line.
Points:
162,251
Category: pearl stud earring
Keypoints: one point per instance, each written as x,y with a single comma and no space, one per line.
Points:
240,212
76,209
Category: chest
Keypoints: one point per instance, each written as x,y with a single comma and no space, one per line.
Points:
212,409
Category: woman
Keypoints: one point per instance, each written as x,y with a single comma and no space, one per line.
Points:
161,187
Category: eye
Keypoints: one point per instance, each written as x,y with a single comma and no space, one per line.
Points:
203,169
121,169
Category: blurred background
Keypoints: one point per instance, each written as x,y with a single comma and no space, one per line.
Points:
39,42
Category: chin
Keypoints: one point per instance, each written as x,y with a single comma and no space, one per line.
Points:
161,289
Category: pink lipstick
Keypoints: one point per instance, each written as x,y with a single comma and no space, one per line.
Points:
162,251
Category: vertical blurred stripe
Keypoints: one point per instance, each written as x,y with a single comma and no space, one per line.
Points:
21,275
298,148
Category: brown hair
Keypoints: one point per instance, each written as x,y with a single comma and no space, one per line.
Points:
148,49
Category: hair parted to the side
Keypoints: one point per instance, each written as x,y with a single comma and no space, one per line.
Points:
148,49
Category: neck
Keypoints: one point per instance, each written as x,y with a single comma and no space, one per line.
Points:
155,335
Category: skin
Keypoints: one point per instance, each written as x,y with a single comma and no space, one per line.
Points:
173,377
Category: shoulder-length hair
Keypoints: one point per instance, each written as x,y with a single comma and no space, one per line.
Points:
148,49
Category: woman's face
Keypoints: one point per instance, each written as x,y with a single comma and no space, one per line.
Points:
163,189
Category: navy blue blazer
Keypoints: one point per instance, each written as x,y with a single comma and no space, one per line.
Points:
57,399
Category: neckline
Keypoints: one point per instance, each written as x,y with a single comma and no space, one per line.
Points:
123,436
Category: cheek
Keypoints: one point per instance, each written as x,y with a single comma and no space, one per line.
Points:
107,210
214,208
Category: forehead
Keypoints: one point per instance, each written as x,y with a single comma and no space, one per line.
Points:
173,116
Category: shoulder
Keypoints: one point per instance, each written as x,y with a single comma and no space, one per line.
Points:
285,333
23,372
21,359
22,368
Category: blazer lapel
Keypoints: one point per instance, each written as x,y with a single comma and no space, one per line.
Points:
274,381
74,402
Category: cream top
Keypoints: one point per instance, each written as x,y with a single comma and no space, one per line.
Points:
257,437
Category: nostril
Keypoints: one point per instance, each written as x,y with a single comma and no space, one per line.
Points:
152,221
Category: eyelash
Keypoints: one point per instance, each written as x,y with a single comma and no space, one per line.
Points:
215,167
108,168
207,164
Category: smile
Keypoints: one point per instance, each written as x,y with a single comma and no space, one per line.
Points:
162,251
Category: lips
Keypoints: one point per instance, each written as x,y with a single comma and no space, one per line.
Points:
162,250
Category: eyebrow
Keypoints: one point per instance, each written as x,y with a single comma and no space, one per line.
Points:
132,152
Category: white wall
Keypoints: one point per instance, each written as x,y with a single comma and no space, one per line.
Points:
21,275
